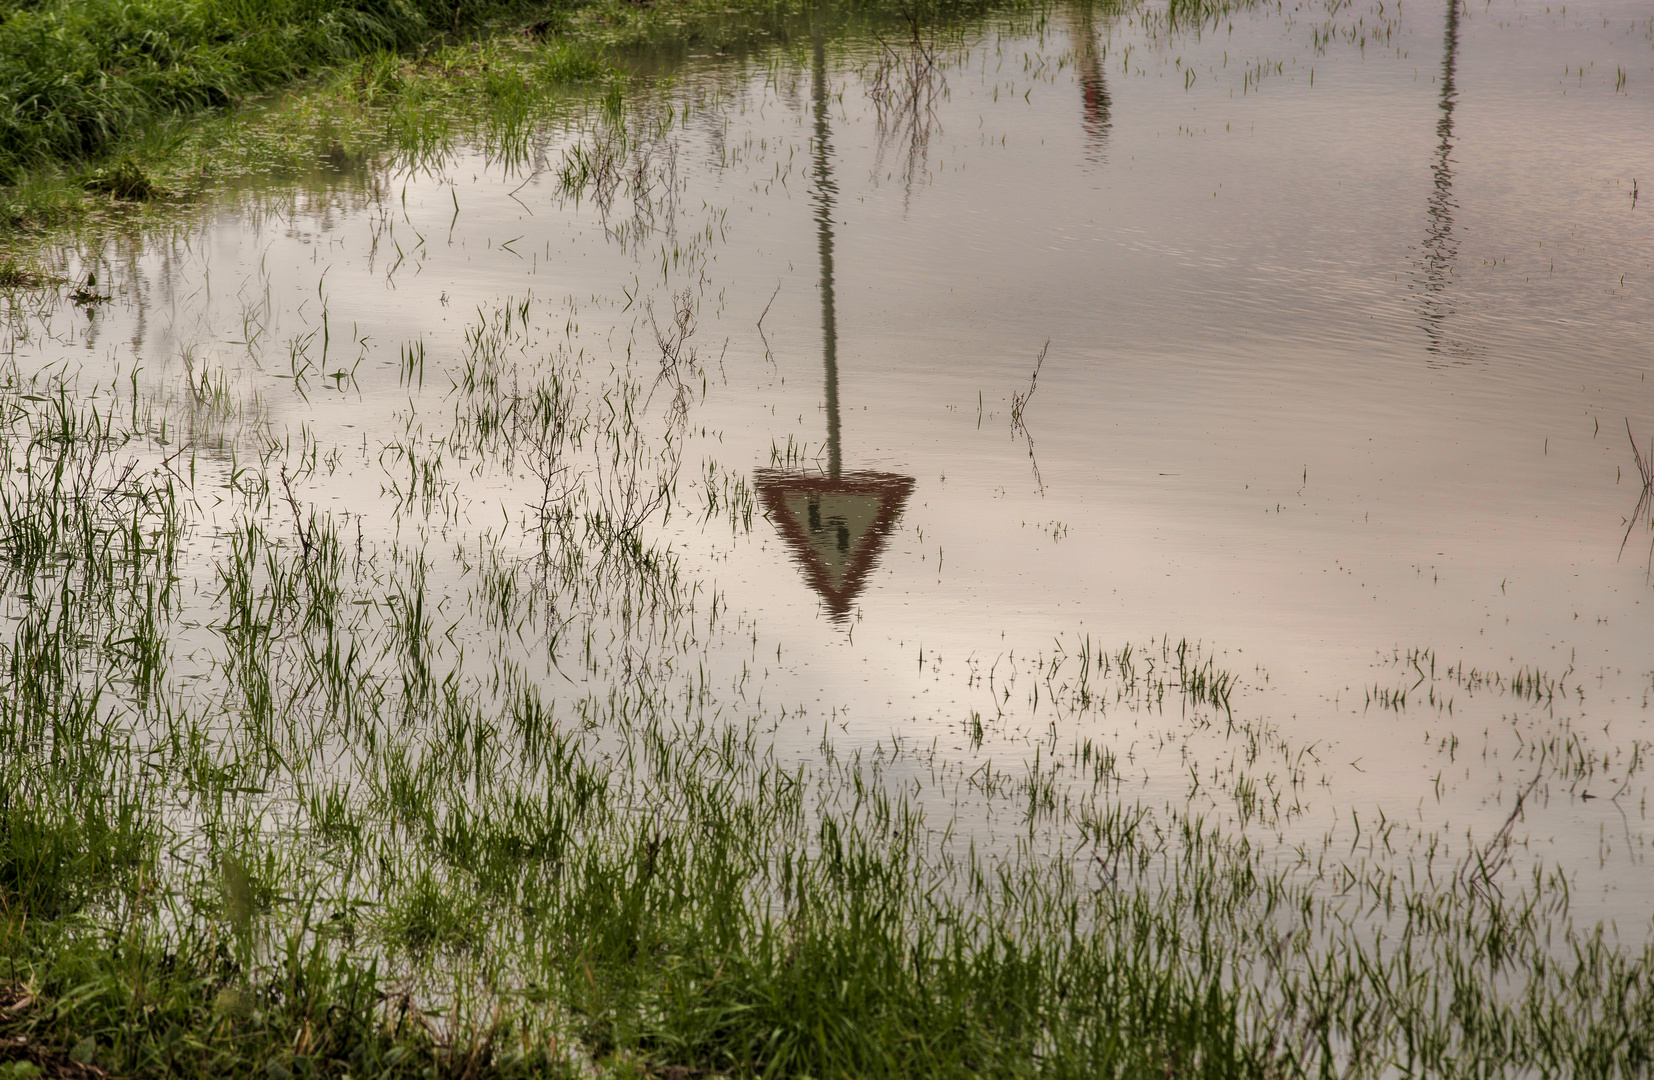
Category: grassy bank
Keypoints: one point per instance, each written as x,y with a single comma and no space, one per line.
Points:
79,76
112,107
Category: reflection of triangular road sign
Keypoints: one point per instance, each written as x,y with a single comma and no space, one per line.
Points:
835,526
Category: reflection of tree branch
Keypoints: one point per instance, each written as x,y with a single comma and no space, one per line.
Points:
673,359
768,354
904,87
1483,865
1019,402
1019,405
1039,481
612,159
1645,499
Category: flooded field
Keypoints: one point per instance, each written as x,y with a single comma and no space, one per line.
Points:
1167,488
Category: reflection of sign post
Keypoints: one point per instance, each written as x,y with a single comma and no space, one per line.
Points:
835,526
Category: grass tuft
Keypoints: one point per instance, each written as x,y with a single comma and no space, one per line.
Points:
126,181
433,915
54,864
15,274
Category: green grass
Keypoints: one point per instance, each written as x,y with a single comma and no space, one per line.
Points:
15,274
110,106
76,76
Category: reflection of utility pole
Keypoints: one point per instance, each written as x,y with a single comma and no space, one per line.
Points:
1441,248
1093,87
835,525
824,239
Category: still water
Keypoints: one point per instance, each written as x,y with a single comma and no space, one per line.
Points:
1310,335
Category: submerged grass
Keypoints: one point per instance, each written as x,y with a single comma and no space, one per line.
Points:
483,887
112,107
386,819
17,274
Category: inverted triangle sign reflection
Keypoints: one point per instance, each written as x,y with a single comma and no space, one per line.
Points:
835,527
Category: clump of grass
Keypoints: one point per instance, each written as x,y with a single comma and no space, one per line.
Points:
53,862
432,915
1195,14
140,1004
570,61
86,294
127,181
16,274
377,75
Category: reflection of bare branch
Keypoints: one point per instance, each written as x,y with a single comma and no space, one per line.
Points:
1020,401
673,358
1039,481
546,425
635,483
1483,865
1019,405
645,169
626,495
611,160
1645,499
298,519
905,85
768,355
